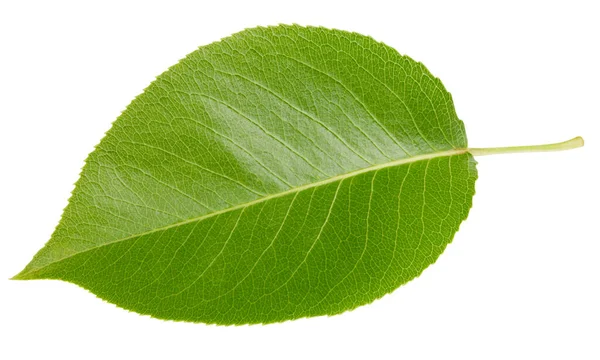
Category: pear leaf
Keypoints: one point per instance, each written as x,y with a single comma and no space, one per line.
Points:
282,172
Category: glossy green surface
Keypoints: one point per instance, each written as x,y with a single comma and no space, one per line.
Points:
282,172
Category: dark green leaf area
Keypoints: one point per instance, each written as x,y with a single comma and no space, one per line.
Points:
319,251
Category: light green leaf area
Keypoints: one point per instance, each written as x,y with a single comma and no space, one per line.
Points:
279,173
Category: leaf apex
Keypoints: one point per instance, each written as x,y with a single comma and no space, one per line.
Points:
25,274
19,276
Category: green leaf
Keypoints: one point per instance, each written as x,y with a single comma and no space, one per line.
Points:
280,173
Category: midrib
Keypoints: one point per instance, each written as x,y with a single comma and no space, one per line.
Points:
263,199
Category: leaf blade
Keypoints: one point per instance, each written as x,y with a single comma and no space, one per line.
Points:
216,124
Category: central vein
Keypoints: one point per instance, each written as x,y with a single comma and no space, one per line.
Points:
274,196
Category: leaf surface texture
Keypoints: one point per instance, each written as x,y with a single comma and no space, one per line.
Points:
279,173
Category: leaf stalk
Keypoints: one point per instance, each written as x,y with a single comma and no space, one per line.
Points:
565,145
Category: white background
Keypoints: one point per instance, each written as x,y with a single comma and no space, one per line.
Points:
521,279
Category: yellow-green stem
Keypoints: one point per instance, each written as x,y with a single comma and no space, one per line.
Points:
565,145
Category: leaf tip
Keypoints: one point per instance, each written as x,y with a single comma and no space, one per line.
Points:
25,274
19,276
